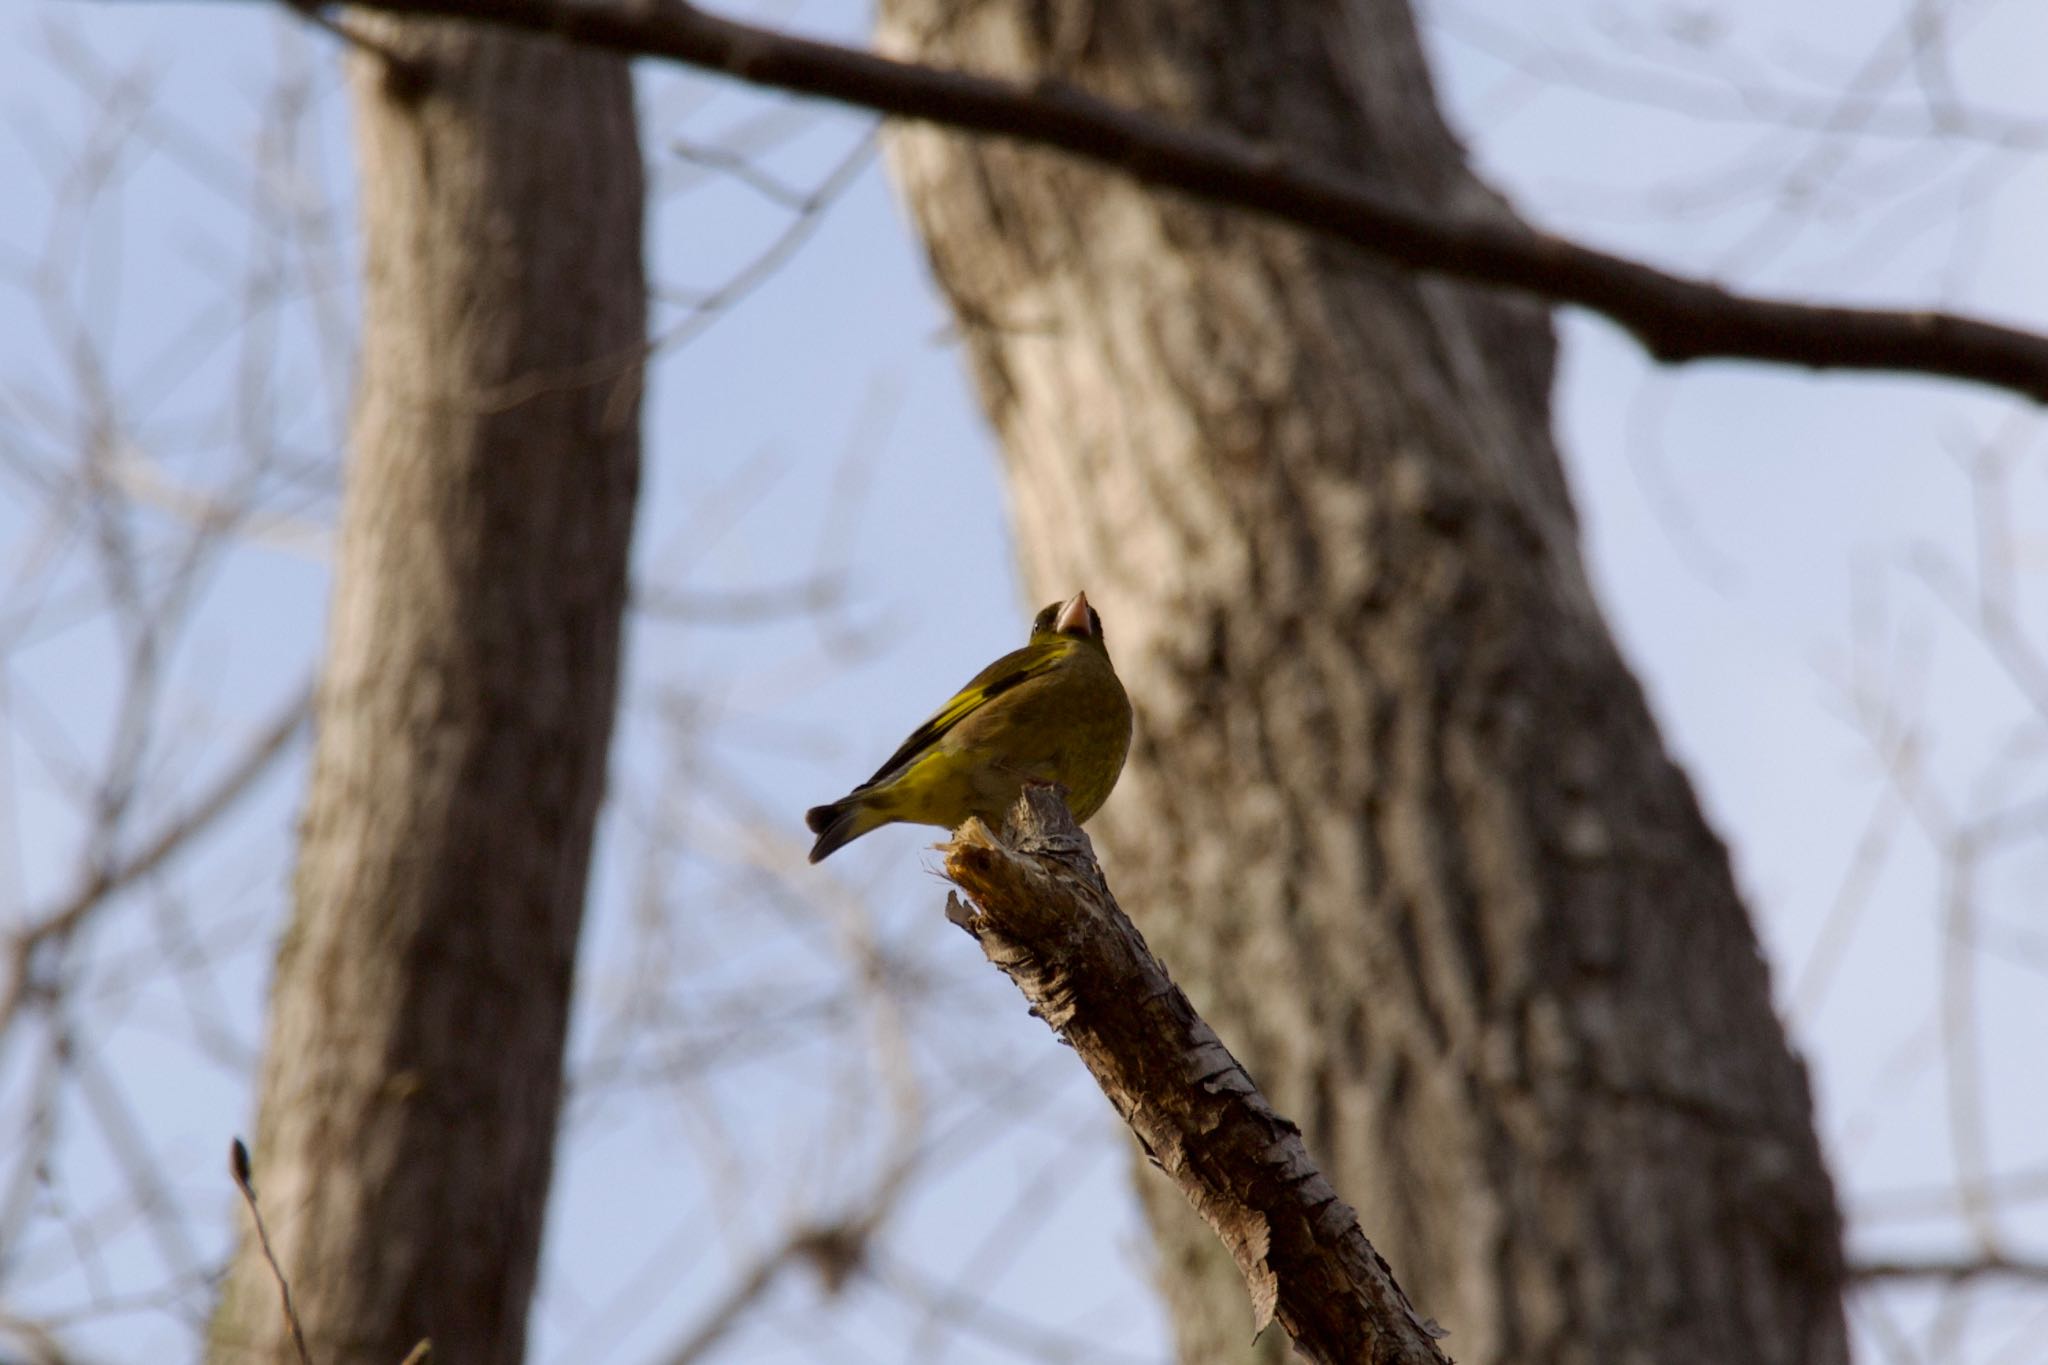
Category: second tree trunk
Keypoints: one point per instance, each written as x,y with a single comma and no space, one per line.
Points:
1397,815
413,1078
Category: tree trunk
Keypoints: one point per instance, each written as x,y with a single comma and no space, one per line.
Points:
1397,815
410,1096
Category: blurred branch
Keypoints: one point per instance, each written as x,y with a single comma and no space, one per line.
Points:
179,831
1022,1336
403,75
37,1344
1951,1269
742,606
834,1250
1674,318
741,167
1725,95
807,211
1043,913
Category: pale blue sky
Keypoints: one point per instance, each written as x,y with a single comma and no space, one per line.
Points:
1728,510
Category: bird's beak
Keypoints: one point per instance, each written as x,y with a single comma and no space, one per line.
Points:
1073,617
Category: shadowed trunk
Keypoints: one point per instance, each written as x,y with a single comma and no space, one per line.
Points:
410,1096
1397,816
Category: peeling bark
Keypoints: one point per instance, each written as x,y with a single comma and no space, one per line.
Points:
1042,912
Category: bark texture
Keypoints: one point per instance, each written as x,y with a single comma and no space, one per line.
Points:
1042,913
410,1094
1397,815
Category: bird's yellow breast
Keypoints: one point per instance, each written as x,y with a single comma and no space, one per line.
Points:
1070,725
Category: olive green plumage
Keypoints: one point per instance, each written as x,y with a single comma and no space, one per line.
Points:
1051,712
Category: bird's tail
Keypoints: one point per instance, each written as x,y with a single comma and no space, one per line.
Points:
840,823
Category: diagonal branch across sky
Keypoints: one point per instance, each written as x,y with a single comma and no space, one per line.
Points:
1676,319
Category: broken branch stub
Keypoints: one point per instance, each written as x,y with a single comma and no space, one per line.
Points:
1041,911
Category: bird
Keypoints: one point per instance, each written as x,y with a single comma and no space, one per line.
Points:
1051,712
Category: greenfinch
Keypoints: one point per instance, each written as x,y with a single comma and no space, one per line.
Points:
1051,712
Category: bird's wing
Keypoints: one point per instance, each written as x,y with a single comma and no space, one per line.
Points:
1014,669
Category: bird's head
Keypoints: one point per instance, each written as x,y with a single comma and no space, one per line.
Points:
1073,617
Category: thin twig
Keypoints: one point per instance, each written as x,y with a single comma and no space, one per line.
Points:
402,74
104,878
1952,1269
238,1166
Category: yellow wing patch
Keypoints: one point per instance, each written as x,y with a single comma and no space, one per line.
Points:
1010,671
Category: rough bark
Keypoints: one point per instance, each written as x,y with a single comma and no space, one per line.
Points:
1042,912
1397,814
410,1094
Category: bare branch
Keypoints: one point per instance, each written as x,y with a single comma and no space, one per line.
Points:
1043,913
837,1247
742,606
1953,1269
104,879
269,744
402,75
1674,318
238,1167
